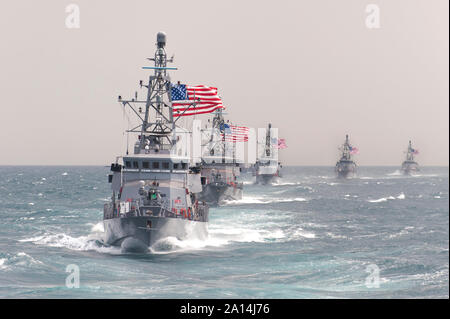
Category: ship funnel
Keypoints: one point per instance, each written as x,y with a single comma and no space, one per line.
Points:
161,39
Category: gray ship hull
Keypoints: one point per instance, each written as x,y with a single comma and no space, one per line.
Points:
265,179
345,169
217,193
410,167
137,234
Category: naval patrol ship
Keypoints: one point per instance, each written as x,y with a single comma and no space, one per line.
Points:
346,167
154,190
219,170
409,166
267,168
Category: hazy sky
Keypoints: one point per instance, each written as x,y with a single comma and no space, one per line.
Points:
312,68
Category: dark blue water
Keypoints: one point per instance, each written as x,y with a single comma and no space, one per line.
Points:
310,236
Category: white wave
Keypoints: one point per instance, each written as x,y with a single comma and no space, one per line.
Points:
404,231
82,243
98,228
334,236
396,173
2,263
286,183
19,259
303,233
172,244
64,174
227,234
219,234
26,218
28,259
262,200
384,199
217,237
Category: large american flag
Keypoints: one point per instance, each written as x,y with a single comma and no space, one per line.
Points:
232,133
206,100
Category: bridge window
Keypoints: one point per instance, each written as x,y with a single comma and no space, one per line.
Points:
165,165
183,165
175,166
127,164
135,164
155,165
146,164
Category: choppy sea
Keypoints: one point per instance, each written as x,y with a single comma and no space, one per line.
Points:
379,235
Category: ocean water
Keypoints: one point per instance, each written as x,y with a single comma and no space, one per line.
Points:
379,235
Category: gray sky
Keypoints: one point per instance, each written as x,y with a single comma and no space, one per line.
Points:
312,68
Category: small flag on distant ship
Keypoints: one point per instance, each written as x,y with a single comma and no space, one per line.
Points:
234,133
191,100
414,151
353,150
281,143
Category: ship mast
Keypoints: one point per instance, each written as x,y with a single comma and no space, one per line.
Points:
268,140
346,149
409,153
217,124
156,131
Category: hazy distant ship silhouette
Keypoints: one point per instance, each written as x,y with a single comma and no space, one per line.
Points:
409,166
346,167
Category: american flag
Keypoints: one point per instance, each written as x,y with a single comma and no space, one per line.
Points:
281,143
234,133
206,100
414,151
353,150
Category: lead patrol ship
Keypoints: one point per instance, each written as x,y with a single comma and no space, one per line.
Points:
155,189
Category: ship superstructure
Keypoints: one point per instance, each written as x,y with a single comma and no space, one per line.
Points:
267,167
154,190
346,167
410,166
220,169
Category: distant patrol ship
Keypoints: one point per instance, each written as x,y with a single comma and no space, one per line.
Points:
219,170
409,166
267,166
346,167
154,190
